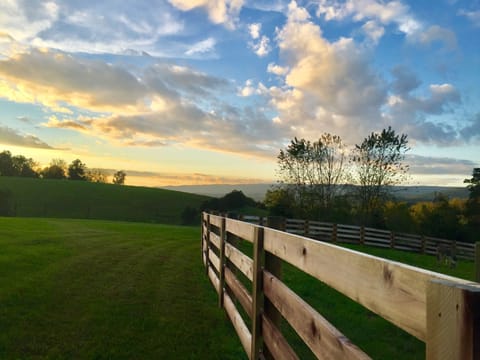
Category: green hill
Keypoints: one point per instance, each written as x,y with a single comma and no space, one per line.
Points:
86,200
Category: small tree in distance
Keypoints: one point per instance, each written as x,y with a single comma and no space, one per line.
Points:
76,170
379,165
119,177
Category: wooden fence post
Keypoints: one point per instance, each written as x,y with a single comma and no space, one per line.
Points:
392,239
306,228
477,261
207,249
424,244
453,321
362,235
257,294
274,265
221,276
334,233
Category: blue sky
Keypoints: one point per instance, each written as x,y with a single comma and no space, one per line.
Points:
208,91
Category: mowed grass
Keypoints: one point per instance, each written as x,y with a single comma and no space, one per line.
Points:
79,289
86,200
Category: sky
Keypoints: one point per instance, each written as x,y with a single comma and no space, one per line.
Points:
208,91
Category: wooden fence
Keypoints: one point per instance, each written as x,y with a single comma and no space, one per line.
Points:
442,311
369,236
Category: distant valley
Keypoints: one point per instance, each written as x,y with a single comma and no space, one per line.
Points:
257,191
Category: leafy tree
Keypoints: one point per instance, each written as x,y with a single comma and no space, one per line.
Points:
55,170
234,200
472,210
119,177
190,216
96,175
24,167
313,172
77,170
6,164
379,166
279,202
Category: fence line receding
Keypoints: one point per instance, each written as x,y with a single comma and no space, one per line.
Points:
441,311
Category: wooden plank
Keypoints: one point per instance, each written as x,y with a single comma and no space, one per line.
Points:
241,229
239,325
216,220
221,270
325,341
477,261
215,239
214,279
257,293
453,321
240,260
215,261
239,291
275,342
392,290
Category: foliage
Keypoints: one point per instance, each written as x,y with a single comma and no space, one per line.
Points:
77,170
232,201
190,216
119,177
280,202
17,165
55,170
379,165
472,211
312,173
96,175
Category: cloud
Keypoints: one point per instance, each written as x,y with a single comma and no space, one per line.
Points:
277,69
436,33
373,30
202,47
472,130
10,136
438,165
82,27
219,11
473,16
254,30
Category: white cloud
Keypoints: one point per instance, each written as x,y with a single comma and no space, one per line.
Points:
373,30
436,33
262,47
277,69
219,11
473,16
202,47
254,30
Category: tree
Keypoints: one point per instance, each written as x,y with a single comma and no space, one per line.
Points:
313,173
6,164
379,165
76,170
279,202
96,175
119,177
24,167
55,170
472,211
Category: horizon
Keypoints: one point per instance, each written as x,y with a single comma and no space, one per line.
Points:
176,92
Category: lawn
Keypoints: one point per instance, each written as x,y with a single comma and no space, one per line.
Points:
79,289
86,200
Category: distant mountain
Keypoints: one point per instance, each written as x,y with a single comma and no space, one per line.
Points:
257,191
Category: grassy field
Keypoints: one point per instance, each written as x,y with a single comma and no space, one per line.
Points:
78,289
85,200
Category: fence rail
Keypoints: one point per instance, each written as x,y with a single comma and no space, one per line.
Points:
442,311
352,234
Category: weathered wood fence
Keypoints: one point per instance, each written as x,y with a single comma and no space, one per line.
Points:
369,236
442,311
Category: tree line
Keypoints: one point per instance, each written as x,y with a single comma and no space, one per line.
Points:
21,166
324,180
